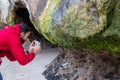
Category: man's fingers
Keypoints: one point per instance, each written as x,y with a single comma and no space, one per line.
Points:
37,49
39,44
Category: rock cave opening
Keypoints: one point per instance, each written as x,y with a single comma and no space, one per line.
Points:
22,15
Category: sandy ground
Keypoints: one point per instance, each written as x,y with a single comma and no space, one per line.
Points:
31,71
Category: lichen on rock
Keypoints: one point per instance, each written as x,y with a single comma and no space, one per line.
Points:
75,18
81,23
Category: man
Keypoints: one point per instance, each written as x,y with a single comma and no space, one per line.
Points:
11,40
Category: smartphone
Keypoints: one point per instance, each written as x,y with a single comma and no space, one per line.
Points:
37,42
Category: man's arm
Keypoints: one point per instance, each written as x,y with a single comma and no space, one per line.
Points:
9,56
18,51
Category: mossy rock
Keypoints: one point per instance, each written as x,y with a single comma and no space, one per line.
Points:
78,24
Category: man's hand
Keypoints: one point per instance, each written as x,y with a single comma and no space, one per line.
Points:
34,48
37,49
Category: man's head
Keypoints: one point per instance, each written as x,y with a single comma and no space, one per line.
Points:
24,32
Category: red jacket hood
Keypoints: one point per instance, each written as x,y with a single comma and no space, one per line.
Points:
15,28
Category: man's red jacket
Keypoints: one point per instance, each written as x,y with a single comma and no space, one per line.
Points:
11,46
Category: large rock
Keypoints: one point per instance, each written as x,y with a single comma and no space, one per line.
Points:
82,23
73,64
71,23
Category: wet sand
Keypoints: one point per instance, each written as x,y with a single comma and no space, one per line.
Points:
31,71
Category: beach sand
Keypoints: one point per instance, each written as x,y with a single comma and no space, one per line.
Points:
31,71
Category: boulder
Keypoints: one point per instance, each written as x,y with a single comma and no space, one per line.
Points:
82,24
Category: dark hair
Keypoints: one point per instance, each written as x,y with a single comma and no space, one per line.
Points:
24,28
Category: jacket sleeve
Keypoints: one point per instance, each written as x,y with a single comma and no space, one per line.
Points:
9,56
18,51
0,61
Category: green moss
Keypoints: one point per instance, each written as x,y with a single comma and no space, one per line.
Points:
46,23
108,9
97,43
79,30
110,43
114,28
36,25
11,19
78,23
102,44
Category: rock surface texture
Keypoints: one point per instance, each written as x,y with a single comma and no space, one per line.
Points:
92,24
83,65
